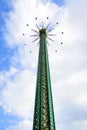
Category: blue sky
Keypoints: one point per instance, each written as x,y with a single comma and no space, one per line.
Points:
59,2
18,66
6,119
4,52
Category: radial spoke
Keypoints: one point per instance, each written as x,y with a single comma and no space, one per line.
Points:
51,39
37,27
36,39
47,26
38,43
50,30
33,35
48,43
51,35
34,30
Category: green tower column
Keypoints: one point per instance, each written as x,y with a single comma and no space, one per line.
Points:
43,111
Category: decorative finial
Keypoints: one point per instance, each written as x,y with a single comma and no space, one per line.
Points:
27,25
61,43
36,18
62,32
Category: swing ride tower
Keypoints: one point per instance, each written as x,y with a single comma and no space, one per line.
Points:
43,110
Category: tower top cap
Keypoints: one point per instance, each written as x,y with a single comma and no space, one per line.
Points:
43,30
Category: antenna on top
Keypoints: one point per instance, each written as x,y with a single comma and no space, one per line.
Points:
42,25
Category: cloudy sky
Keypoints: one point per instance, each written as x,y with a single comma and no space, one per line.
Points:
68,66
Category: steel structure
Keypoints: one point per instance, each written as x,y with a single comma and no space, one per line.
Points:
43,111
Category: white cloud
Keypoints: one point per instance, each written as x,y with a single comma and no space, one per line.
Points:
82,124
18,95
23,125
68,66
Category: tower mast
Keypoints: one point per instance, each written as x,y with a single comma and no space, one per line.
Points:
43,111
